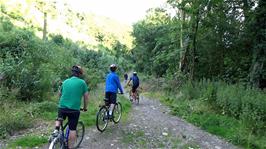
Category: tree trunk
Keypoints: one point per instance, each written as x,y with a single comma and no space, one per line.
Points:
259,49
194,46
44,25
246,9
181,38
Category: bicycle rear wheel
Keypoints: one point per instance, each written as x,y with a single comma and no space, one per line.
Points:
130,98
137,98
56,144
102,119
80,134
117,112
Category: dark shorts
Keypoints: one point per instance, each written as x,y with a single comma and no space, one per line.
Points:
72,115
134,89
111,97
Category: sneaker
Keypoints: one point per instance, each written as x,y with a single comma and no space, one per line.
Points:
55,133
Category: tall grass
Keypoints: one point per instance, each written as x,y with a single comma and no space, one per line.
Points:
234,112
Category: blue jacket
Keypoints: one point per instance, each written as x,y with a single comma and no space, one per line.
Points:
112,83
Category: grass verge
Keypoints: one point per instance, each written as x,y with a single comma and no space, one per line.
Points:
27,141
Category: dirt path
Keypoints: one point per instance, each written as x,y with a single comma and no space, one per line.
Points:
150,126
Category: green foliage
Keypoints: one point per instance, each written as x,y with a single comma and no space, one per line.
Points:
31,70
22,52
39,63
12,121
203,39
7,25
244,104
156,49
28,141
234,112
235,100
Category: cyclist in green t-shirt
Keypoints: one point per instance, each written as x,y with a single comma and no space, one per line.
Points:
72,90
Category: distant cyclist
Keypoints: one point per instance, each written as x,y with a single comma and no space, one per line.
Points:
72,90
135,84
111,88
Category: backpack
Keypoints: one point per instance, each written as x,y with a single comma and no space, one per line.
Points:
135,80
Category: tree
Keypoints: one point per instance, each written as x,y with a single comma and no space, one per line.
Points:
258,66
46,7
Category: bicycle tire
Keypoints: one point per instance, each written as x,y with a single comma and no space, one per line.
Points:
102,117
80,134
56,144
117,112
130,98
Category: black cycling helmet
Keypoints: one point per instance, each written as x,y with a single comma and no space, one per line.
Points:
77,69
113,67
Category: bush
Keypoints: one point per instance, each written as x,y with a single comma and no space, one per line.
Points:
13,121
246,104
233,111
36,109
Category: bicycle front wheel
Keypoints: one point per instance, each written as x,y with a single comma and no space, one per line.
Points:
79,134
56,144
102,119
117,112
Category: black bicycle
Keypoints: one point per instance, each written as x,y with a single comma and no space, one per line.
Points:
61,140
133,98
102,117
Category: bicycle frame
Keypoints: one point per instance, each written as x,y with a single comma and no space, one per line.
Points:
64,135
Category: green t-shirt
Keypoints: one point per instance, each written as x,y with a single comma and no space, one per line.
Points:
71,93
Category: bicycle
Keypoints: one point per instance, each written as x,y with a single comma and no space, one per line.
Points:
61,140
134,98
102,118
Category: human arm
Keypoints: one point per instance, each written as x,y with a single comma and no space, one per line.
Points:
129,81
119,85
85,96
59,94
60,91
85,100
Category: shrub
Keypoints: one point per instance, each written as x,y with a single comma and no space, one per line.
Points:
12,122
246,104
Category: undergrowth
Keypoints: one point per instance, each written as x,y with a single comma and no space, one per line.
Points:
231,111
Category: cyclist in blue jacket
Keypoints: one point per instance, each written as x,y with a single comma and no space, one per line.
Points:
111,88
135,84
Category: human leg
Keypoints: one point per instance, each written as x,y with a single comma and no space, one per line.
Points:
134,92
112,101
73,118
72,138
